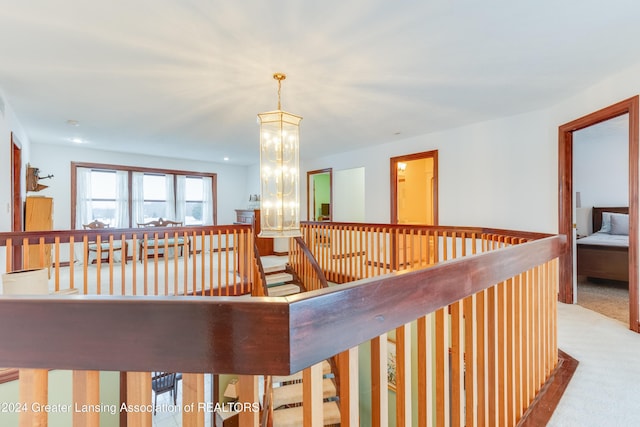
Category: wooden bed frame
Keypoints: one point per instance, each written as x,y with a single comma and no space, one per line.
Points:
603,262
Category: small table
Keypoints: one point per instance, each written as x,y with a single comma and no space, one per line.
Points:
227,419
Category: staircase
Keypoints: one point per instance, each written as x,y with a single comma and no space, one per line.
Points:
279,282
287,399
287,390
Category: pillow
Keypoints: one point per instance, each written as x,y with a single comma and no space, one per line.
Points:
620,224
606,222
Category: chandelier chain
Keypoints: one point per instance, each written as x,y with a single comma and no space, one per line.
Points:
279,77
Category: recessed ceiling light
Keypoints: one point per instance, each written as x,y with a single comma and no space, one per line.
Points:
77,140
73,123
226,159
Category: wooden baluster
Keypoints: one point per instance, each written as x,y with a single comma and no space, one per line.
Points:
403,375
471,361
8,255
443,400
457,364
349,388
501,359
423,350
482,358
110,264
33,394
139,393
248,397
312,395
492,355
379,383
134,263
192,398
86,394
511,351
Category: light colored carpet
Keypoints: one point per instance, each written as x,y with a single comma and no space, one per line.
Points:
605,389
607,297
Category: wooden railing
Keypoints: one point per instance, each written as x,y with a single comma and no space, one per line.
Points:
353,251
305,266
485,323
215,260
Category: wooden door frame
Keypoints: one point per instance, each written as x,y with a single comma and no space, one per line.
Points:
17,214
565,198
394,181
318,172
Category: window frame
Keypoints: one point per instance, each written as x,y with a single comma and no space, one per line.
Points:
145,170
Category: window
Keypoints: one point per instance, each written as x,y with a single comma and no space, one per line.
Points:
197,199
123,197
103,200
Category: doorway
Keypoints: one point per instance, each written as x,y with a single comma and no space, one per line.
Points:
414,189
319,195
567,199
16,198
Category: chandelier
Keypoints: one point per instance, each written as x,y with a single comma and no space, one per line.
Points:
279,172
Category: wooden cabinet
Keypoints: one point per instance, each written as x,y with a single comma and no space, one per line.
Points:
38,217
252,216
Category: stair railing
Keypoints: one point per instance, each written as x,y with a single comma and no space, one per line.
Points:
260,281
267,403
306,267
504,286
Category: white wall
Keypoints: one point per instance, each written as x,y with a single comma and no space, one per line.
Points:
9,123
348,195
601,164
500,173
56,160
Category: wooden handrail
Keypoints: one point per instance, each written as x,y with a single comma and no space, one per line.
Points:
257,336
34,237
263,277
527,235
312,261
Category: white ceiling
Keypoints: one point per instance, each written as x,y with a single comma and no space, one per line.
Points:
186,78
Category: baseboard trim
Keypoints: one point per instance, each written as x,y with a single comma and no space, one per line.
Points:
541,409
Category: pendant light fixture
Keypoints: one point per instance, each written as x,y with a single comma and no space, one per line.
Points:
279,171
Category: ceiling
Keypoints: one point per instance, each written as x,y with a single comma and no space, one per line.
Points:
186,78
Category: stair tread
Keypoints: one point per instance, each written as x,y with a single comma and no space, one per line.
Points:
268,269
278,278
284,290
326,369
292,393
293,416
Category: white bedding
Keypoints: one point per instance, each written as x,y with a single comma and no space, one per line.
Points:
605,239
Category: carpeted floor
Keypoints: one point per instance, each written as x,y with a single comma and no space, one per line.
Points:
605,387
607,297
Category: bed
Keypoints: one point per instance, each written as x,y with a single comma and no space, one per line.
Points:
605,253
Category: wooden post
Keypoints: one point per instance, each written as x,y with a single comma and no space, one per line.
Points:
192,400
86,392
33,392
139,393
313,415
349,388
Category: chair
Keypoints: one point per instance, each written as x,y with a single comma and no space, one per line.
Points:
181,242
163,382
104,245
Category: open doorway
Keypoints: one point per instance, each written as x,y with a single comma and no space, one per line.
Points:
414,189
601,188
567,201
16,198
319,195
